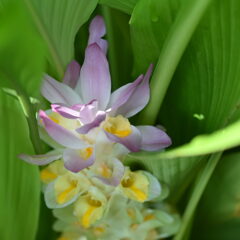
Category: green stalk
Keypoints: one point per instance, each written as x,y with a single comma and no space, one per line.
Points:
29,113
172,51
198,190
32,122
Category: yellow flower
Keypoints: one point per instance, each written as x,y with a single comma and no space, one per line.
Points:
135,185
140,185
119,126
90,207
52,171
69,185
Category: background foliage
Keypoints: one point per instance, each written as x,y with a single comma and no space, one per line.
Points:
194,45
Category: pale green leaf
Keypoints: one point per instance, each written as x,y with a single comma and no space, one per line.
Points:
19,181
220,140
22,52
58,22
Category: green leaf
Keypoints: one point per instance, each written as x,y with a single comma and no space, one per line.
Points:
206,82
218,214
209,66
196,195
122,5
19,182
22,52
218,141
150,24
181,31
174,166
178,166
58,22
207,79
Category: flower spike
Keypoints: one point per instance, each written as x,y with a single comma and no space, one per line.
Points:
86,181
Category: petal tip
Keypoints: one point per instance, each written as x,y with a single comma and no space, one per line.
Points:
42,114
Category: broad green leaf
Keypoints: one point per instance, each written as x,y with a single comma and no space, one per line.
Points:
122,5
206,82
174,45
22,52
208,68
150,23
19,182
218,215
58,22
207,79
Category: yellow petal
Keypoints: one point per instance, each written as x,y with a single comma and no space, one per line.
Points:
70,124
90,207
54,119
52,171
118,126
105,171
86,153
86,219
135,186
63,196
99,230
149,217
140,195
47,176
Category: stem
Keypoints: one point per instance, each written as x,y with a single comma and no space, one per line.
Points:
32,122
198,190
29,112
172,51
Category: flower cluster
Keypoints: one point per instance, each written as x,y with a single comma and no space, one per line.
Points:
86,182
123,220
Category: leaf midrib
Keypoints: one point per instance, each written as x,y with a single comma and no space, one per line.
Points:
44,33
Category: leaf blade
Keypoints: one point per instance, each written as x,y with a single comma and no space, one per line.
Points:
58,22
20,185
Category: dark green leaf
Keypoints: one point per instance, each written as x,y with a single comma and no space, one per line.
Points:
120,53
218,216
